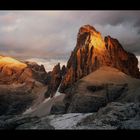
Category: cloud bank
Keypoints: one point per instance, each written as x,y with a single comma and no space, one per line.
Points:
52,34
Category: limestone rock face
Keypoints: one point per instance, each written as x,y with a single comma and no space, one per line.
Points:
93,51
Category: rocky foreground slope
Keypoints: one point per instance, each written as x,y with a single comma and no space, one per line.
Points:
93,105
101,87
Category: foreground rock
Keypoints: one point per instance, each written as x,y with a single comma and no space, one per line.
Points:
23,122
114,116
92,52
99,88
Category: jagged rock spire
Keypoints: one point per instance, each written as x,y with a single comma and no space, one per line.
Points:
93,51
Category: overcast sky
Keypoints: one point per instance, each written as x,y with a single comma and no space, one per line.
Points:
52,34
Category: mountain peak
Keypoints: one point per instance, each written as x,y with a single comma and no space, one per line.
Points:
92,51
89,35
87,28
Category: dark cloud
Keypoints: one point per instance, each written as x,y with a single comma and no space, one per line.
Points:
52,34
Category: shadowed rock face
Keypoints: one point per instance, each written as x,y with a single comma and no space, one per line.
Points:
92,52
53,79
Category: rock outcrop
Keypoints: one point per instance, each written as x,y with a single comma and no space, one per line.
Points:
99,88
14,71
38,71
53,79
92,52
114,116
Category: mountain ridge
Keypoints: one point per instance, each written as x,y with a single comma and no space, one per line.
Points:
92,52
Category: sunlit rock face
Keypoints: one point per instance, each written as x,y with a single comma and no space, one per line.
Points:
93,51
11,63
15,71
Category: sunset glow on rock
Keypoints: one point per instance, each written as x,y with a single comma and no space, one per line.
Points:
92,51
97,41
10,62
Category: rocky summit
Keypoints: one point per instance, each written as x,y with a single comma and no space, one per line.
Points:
92,51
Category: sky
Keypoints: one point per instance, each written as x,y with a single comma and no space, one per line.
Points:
51,35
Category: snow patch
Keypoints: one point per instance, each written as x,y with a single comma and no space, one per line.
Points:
46,100
29,110
67,121
57,91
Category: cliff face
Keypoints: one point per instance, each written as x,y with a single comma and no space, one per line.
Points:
53,79
92,52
